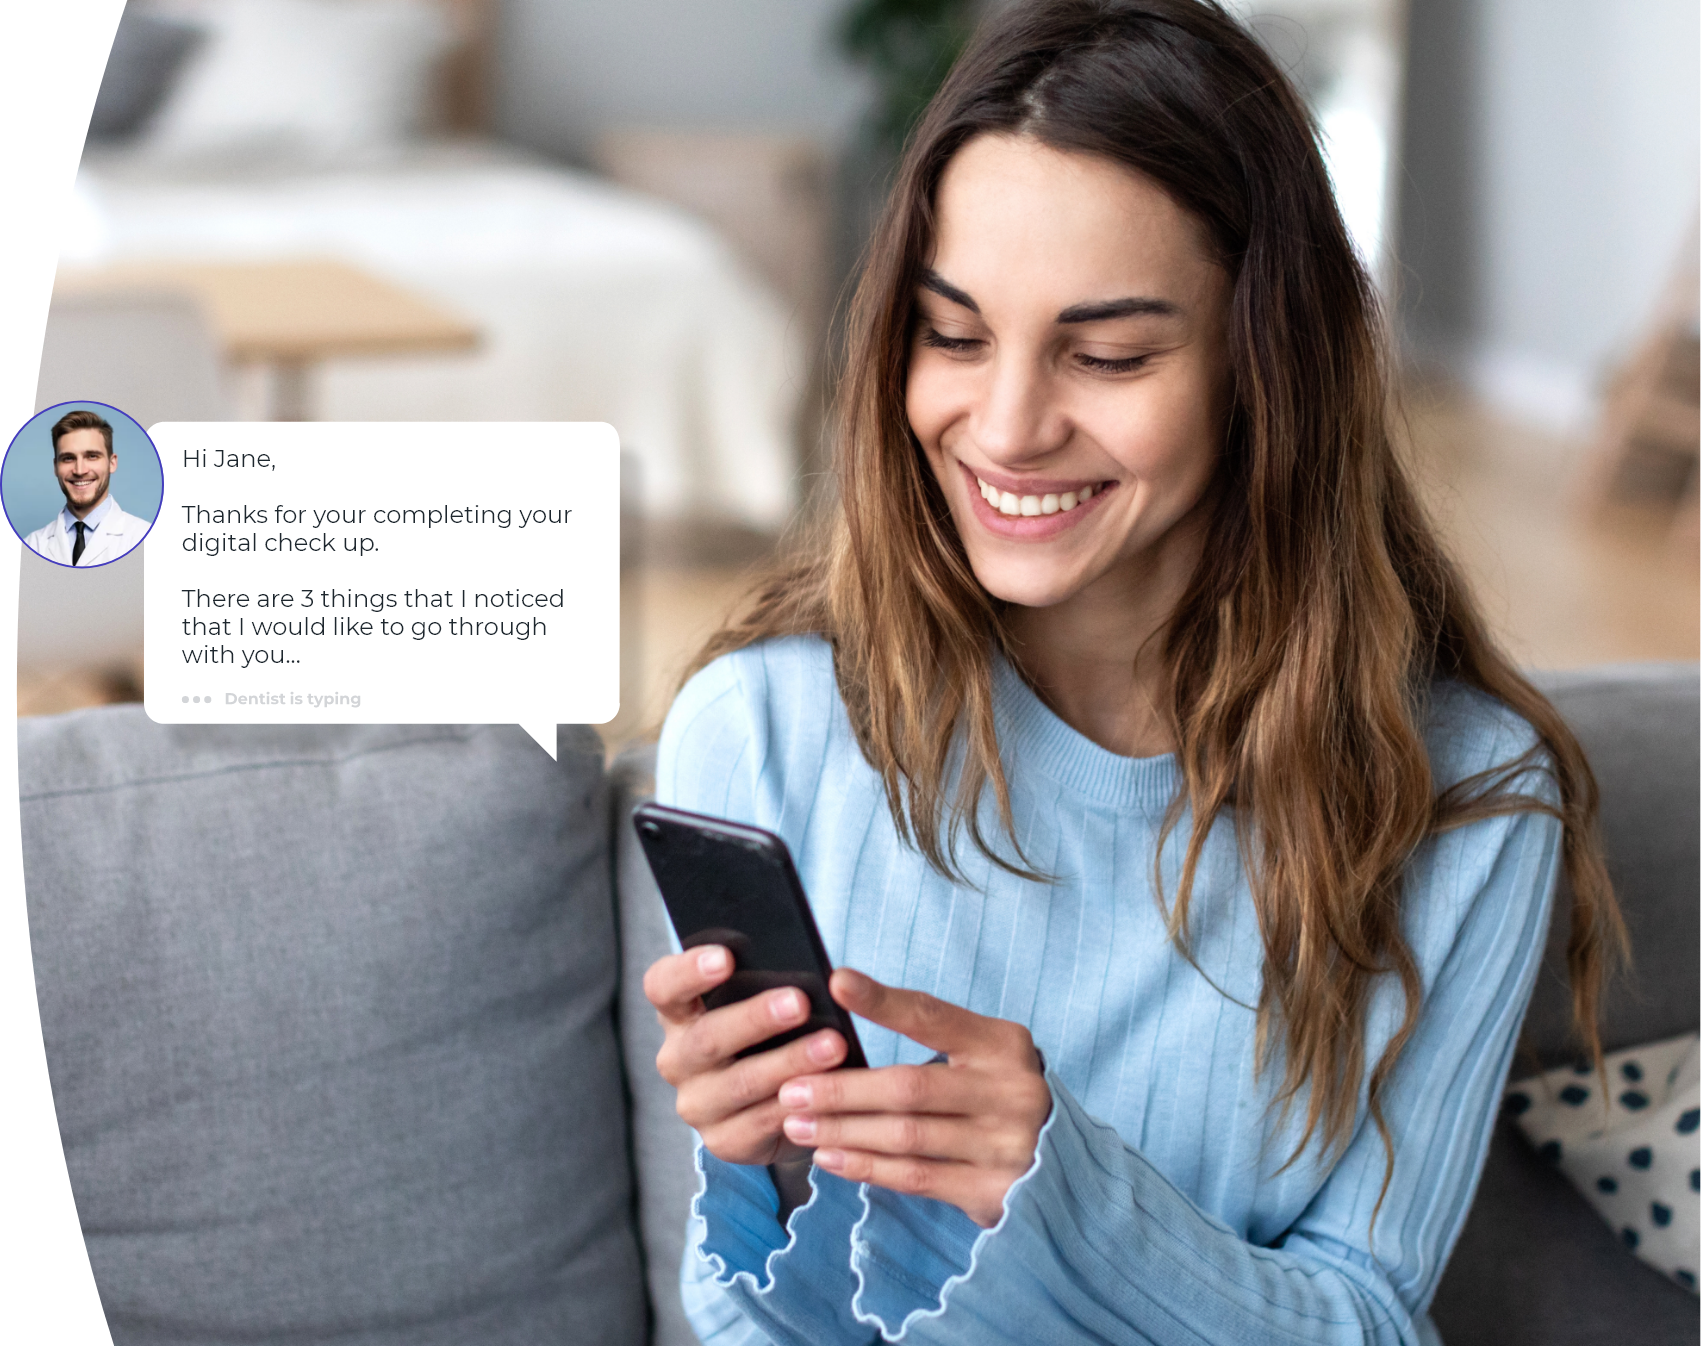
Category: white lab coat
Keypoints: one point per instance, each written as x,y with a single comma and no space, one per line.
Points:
117,534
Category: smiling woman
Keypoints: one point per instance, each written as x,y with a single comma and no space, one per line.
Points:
1137,746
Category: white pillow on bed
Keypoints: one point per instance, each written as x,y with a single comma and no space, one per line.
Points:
313,81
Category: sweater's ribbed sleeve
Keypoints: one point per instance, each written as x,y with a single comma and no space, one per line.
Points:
1097,1245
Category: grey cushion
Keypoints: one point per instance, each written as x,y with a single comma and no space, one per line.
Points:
1535,1266
662,1144
328,1013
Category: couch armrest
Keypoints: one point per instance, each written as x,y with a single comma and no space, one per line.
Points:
662,1144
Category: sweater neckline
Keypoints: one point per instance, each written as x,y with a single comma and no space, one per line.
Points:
1034,737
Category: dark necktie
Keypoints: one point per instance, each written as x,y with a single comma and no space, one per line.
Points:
77,551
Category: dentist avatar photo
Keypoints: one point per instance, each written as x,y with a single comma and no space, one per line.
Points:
91,529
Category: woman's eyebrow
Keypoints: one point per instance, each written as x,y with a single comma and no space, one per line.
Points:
932,280
1100,311
1119,308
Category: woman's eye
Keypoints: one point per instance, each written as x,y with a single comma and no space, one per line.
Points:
1099,365
939,341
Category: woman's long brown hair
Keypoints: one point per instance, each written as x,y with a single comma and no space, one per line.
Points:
1301,657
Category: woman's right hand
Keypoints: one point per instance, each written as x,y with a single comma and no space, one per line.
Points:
733,1103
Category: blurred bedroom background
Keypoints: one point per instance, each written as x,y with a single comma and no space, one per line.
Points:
647,213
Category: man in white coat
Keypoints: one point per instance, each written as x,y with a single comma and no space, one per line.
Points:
91,529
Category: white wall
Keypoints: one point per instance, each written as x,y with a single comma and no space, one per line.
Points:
568,69
1551,161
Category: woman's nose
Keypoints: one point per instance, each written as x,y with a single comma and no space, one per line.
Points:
1017,417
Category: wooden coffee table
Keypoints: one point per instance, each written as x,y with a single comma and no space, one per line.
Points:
291,315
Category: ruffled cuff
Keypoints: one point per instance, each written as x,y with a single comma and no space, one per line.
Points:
740,1211
794,1283
910,1254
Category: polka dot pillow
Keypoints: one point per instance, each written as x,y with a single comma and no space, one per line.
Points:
1637,1161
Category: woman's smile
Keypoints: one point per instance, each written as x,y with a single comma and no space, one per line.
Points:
1032,509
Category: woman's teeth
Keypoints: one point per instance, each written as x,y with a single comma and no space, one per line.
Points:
1007,502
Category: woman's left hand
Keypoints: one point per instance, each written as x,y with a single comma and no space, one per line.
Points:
960,1132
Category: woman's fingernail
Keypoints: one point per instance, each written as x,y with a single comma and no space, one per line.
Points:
800,1129
831,1159
711,962
795,1095
822,1049
786,1006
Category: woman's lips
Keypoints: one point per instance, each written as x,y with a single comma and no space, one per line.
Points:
1034,526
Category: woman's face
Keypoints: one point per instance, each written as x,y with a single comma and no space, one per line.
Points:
1069,370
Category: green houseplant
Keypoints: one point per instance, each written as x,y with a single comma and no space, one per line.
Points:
907,46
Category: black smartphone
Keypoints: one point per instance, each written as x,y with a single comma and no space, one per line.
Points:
729,884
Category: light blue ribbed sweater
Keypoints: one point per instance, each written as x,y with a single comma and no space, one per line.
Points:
1157,1208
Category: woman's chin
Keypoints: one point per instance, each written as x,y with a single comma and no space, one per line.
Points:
1026,590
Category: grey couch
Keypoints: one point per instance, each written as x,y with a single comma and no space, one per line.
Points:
347,1043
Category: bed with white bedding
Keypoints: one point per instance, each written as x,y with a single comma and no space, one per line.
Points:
593,303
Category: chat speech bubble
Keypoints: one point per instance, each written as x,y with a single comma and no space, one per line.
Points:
385,573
